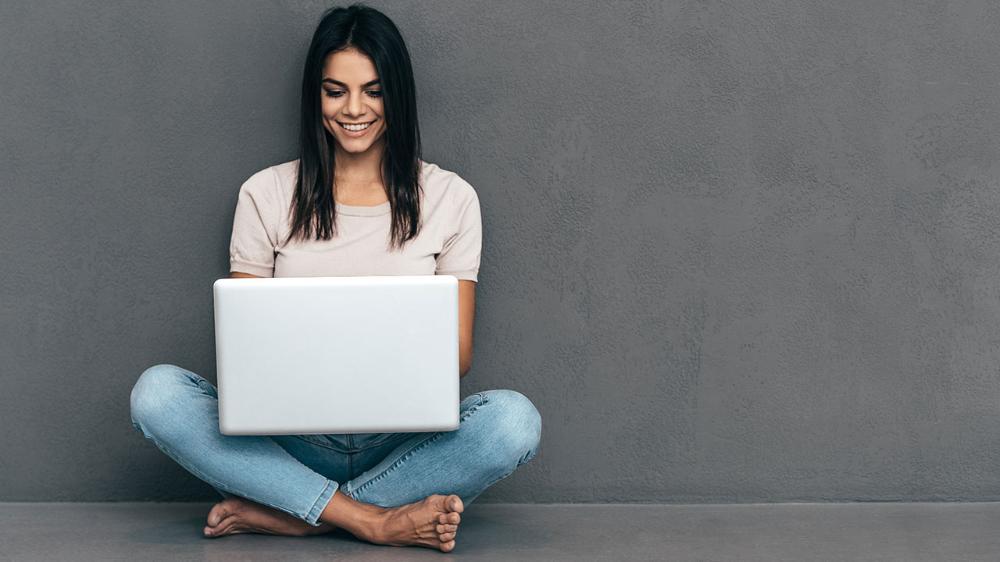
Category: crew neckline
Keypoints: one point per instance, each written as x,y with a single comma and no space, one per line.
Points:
363,210
373,210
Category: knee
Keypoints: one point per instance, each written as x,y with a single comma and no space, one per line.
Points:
517,426
153,393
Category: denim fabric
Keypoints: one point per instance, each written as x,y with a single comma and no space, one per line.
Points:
178,411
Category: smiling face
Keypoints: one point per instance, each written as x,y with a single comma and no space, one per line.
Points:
352,101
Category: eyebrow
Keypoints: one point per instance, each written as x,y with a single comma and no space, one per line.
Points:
339,83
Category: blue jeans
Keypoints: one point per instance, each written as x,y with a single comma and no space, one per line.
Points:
178,411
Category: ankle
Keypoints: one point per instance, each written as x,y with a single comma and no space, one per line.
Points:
371,521
363,520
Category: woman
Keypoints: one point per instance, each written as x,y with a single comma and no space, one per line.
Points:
358,201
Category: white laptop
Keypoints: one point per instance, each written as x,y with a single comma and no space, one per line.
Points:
314,355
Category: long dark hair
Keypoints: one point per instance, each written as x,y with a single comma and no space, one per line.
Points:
372,33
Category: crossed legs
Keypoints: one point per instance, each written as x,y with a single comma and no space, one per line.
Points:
414,495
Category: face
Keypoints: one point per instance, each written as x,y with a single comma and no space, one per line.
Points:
352,94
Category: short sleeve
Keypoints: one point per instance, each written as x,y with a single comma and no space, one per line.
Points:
254,238
460,255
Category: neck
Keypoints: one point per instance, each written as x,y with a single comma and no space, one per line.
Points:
359,167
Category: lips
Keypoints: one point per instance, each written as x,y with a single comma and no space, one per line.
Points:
341,123
352,132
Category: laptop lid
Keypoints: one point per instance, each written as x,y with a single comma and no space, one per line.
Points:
314,355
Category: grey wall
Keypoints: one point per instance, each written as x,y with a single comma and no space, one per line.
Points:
739,251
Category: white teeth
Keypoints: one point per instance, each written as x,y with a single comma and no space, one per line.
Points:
355,127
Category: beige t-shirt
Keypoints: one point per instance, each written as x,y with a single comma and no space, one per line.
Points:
449,241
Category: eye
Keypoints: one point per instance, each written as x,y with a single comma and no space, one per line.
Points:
338,93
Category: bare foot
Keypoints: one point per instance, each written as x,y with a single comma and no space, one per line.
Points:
431,522
238,515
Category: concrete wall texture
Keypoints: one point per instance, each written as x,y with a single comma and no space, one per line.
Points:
734,251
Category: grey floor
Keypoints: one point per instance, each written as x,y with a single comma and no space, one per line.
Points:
747,532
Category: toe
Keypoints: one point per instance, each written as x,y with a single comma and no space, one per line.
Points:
216,515
455,504
220,511
446,529
225,527
447,537
448,546
454,518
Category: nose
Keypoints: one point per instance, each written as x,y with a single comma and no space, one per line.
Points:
354,105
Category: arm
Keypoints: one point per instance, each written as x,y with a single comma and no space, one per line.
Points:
466,318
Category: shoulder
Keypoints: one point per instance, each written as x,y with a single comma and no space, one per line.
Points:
272,183
446,187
